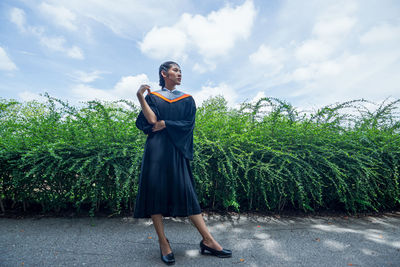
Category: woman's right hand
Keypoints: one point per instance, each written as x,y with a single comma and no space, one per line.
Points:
142,89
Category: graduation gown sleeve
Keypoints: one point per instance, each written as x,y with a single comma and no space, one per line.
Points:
181,131
141,121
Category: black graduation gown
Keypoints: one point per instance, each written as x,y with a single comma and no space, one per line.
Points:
166,184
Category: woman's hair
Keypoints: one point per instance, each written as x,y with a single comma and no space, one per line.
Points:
165,67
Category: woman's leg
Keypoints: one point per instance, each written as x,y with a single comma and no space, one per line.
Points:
159,226
208,240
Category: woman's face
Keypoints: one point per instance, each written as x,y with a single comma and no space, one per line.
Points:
174,75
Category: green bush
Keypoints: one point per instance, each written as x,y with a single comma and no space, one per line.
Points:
263,156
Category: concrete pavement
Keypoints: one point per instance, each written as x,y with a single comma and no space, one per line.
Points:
254,240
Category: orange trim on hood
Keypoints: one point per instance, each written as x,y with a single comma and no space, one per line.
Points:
168,100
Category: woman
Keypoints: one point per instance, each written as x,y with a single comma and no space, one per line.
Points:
166,185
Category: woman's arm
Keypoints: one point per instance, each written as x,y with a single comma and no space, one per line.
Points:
147,111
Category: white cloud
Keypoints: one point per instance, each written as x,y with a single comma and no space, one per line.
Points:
317,51
381,34
125,18
328,34
317,70
53,43
258,96
29,96
323,60
58,44
314,50
210,91
336,51
59,15
125,88
17,16
75,52
83,92
204,67
5,62
216,34
165,42
303,73
268,56
265,107
129,85
87,77
211,36
351,76
334,27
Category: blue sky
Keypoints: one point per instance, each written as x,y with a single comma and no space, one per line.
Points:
309,53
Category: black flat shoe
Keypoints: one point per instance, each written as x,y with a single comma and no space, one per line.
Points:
224,253
168,259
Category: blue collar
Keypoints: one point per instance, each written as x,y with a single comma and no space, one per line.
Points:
171,95
165,89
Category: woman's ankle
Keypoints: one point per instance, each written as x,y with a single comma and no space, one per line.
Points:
162,240
208,239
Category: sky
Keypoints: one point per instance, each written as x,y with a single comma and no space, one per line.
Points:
308,53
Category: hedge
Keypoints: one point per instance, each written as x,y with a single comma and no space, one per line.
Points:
260,156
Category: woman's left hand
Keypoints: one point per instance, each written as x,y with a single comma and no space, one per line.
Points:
159,125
